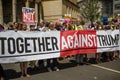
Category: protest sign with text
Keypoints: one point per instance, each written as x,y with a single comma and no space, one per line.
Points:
34,45
28,15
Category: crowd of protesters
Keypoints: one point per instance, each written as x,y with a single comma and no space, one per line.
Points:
53,64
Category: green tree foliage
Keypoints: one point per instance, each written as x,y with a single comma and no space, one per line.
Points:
89,9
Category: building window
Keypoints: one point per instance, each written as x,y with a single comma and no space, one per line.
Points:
117,6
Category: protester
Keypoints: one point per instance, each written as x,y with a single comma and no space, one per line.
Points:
80,57
9,26
65,26
1,28
52,64
98,55
113,27
20,26
15,26
23,65
42,26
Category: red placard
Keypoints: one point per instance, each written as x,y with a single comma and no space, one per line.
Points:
28,15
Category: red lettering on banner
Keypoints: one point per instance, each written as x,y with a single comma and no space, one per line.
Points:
77,42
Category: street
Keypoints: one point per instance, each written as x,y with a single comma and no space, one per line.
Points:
68,71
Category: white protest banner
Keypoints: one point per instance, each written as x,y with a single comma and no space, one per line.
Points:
108,40
26,46
28,15
34,45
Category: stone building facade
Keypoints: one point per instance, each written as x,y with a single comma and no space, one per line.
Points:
56,9
11,10
116,7
107,7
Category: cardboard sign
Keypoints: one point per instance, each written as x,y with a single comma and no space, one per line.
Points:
28,15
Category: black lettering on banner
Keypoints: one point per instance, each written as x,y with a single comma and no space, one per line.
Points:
34,43
47,40
11,45
99,37
20,45
115,40
26,45
54,43
117,37
2,39
103,37
109,40
41,44
112,40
